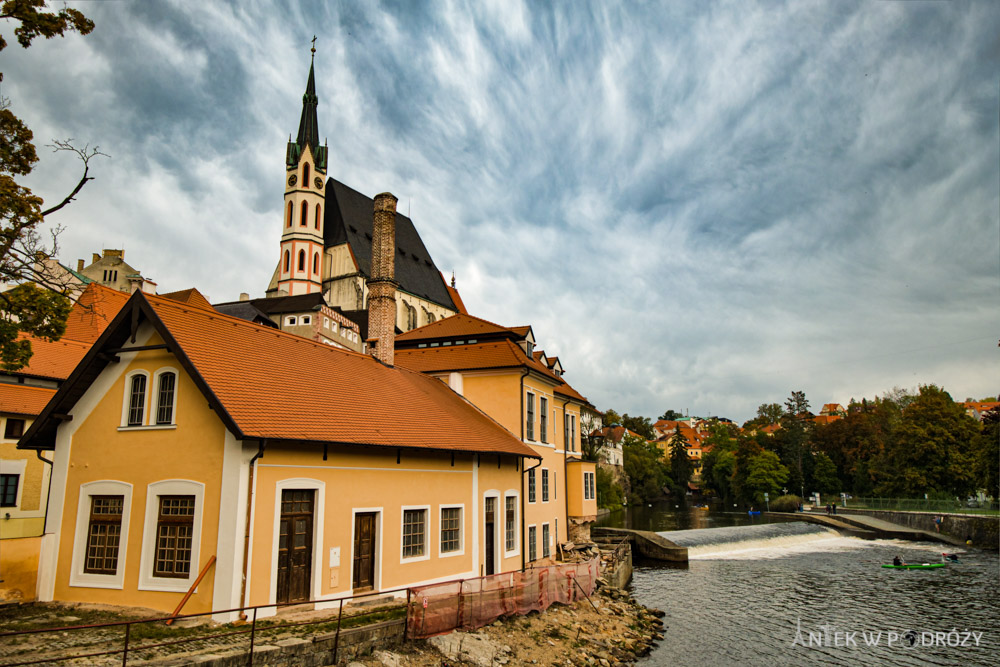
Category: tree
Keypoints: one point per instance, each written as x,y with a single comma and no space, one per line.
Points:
681,468
609,492
645,469
718,462
671,415
765,474
793,439
30,309
769,413
825,475
930,450
988,454
611,418
641,425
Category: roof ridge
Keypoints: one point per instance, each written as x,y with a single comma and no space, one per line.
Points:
186,307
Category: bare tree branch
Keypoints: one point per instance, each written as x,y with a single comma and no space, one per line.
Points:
84,154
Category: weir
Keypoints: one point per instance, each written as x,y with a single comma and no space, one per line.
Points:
709,541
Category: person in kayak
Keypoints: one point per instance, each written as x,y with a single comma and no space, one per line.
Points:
953,558
897,561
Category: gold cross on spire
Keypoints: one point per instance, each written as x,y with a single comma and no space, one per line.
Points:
314,44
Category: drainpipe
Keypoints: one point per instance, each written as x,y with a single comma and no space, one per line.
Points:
246,531
48,491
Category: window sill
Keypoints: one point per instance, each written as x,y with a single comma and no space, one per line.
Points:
154,427
451,554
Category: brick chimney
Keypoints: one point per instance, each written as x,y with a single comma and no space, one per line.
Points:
79,265
382,284
94,258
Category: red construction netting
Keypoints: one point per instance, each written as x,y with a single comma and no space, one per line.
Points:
472,603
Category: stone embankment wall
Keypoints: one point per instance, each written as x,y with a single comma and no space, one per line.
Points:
648,544
984,531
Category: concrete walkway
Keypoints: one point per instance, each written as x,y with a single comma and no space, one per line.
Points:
868,527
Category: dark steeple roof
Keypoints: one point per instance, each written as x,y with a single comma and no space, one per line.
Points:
348,219
308,127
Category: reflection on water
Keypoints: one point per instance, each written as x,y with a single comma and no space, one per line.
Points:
663,516
737,606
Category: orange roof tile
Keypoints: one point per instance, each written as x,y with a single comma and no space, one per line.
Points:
456,325
269,384
20,399
456,298
190,296
53,359
478,356
93,312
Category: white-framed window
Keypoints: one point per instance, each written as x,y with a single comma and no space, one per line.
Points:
545,485
452,541
165,383
532,543
171,535
305,319
543,415
326,322
414,529
100,541
134,403
546,537
555,486
291,321
10,489
589,486
529,421
510,524
531,485
150,401
572,433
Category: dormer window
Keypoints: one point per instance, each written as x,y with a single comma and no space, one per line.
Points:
529,347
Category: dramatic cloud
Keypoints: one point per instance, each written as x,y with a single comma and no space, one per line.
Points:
697,206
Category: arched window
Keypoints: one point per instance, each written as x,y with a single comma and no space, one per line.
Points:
302,260
136,400
165,398
288,259
318,209
316,263
305,214
289,222
305,174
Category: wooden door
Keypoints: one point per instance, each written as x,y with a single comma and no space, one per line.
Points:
295,541
491,511
364,551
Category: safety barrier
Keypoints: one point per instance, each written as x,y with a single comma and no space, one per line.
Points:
467,604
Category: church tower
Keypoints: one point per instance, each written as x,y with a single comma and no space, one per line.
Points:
300,268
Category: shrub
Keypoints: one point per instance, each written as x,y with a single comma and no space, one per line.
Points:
786,504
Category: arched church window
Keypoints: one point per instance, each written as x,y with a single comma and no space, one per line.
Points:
289,222
302,260
305,174
288,259
305,214
318,209
316,262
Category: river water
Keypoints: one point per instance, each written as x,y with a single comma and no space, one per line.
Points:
790,593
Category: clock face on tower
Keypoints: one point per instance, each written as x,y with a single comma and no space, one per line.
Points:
293,179
318,182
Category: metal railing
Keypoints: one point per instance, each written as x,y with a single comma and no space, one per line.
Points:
946,505
252,627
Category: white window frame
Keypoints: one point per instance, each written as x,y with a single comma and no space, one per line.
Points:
291,321
77,577
544,491
16,467
588,491
517,520
532,556
529,416
127,397
150,419
532,478
169,487
461,530
427,533
546,544
305,319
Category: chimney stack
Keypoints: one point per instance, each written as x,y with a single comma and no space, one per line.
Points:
94,258
382,284
244,296
79,265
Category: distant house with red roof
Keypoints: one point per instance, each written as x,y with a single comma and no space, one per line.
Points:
978,409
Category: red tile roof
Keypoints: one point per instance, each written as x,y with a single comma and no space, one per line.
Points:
189,296
456,298
456,325
93,312
271,384
53,359
20,399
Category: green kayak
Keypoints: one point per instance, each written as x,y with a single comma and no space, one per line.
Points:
914,566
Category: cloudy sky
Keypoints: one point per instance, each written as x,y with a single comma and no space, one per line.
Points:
697,206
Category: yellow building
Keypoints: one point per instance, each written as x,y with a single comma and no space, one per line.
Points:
498,369
287,470
24,477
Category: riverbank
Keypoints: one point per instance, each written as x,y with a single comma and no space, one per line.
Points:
610,628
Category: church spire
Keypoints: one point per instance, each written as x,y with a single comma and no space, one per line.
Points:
308,124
